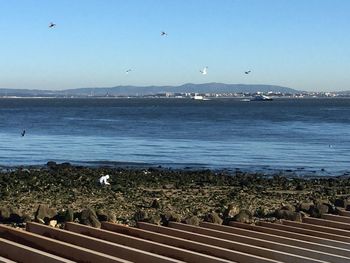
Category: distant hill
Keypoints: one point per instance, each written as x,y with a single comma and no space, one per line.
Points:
149,90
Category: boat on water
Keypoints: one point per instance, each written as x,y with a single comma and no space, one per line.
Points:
198,97
261,97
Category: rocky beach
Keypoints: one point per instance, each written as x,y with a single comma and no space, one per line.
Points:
57,193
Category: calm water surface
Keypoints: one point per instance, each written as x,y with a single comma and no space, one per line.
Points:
303,135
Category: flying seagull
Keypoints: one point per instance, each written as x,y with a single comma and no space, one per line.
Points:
204,71
128,71
52,25
163,33
23,133
247,72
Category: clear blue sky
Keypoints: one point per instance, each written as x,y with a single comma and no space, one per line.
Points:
302,44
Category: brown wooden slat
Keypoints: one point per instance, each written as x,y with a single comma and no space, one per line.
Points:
344,213
21,253
325,229
299,254
187,244
56,247
328,223
109,248
280,239
293,235
146,245
342,219
232,245
5,260
305,229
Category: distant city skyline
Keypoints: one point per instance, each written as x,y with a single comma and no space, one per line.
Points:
304,45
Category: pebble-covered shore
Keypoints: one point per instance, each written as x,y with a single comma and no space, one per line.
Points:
57,193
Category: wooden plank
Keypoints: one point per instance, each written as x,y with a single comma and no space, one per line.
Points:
293,235
305,229
109,248
325,229
342,219
344,213
5,260
146,245
328,223
232,245
56,247
279,239
235,256
299,253
21,253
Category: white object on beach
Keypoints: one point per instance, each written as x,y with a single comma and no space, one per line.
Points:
103,180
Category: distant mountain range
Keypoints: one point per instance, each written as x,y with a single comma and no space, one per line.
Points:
149,90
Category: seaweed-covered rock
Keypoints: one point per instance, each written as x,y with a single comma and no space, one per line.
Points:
140,215
318,209
213,218
69,215
244,216
170,217
44,214
193,220
288,215
154,219
105,216
88,217
231,211
305,206
10,214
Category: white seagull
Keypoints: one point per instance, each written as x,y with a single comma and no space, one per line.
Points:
128,71
204,71
103,180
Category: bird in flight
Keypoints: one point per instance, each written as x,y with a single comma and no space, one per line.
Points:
204,71
52,25
128,71
163,33
23,133
247,72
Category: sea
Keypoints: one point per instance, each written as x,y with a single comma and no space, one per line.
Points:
298,136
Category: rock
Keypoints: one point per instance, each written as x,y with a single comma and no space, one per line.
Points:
318,209
244,216
53,223
213,218
231,211
262,211
140,215
156,204
5,213
88,217
288,207
288,215
193,220
106,216
170,216
44,213
339,202
69,215
51,164
11,214
154,219
305,206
